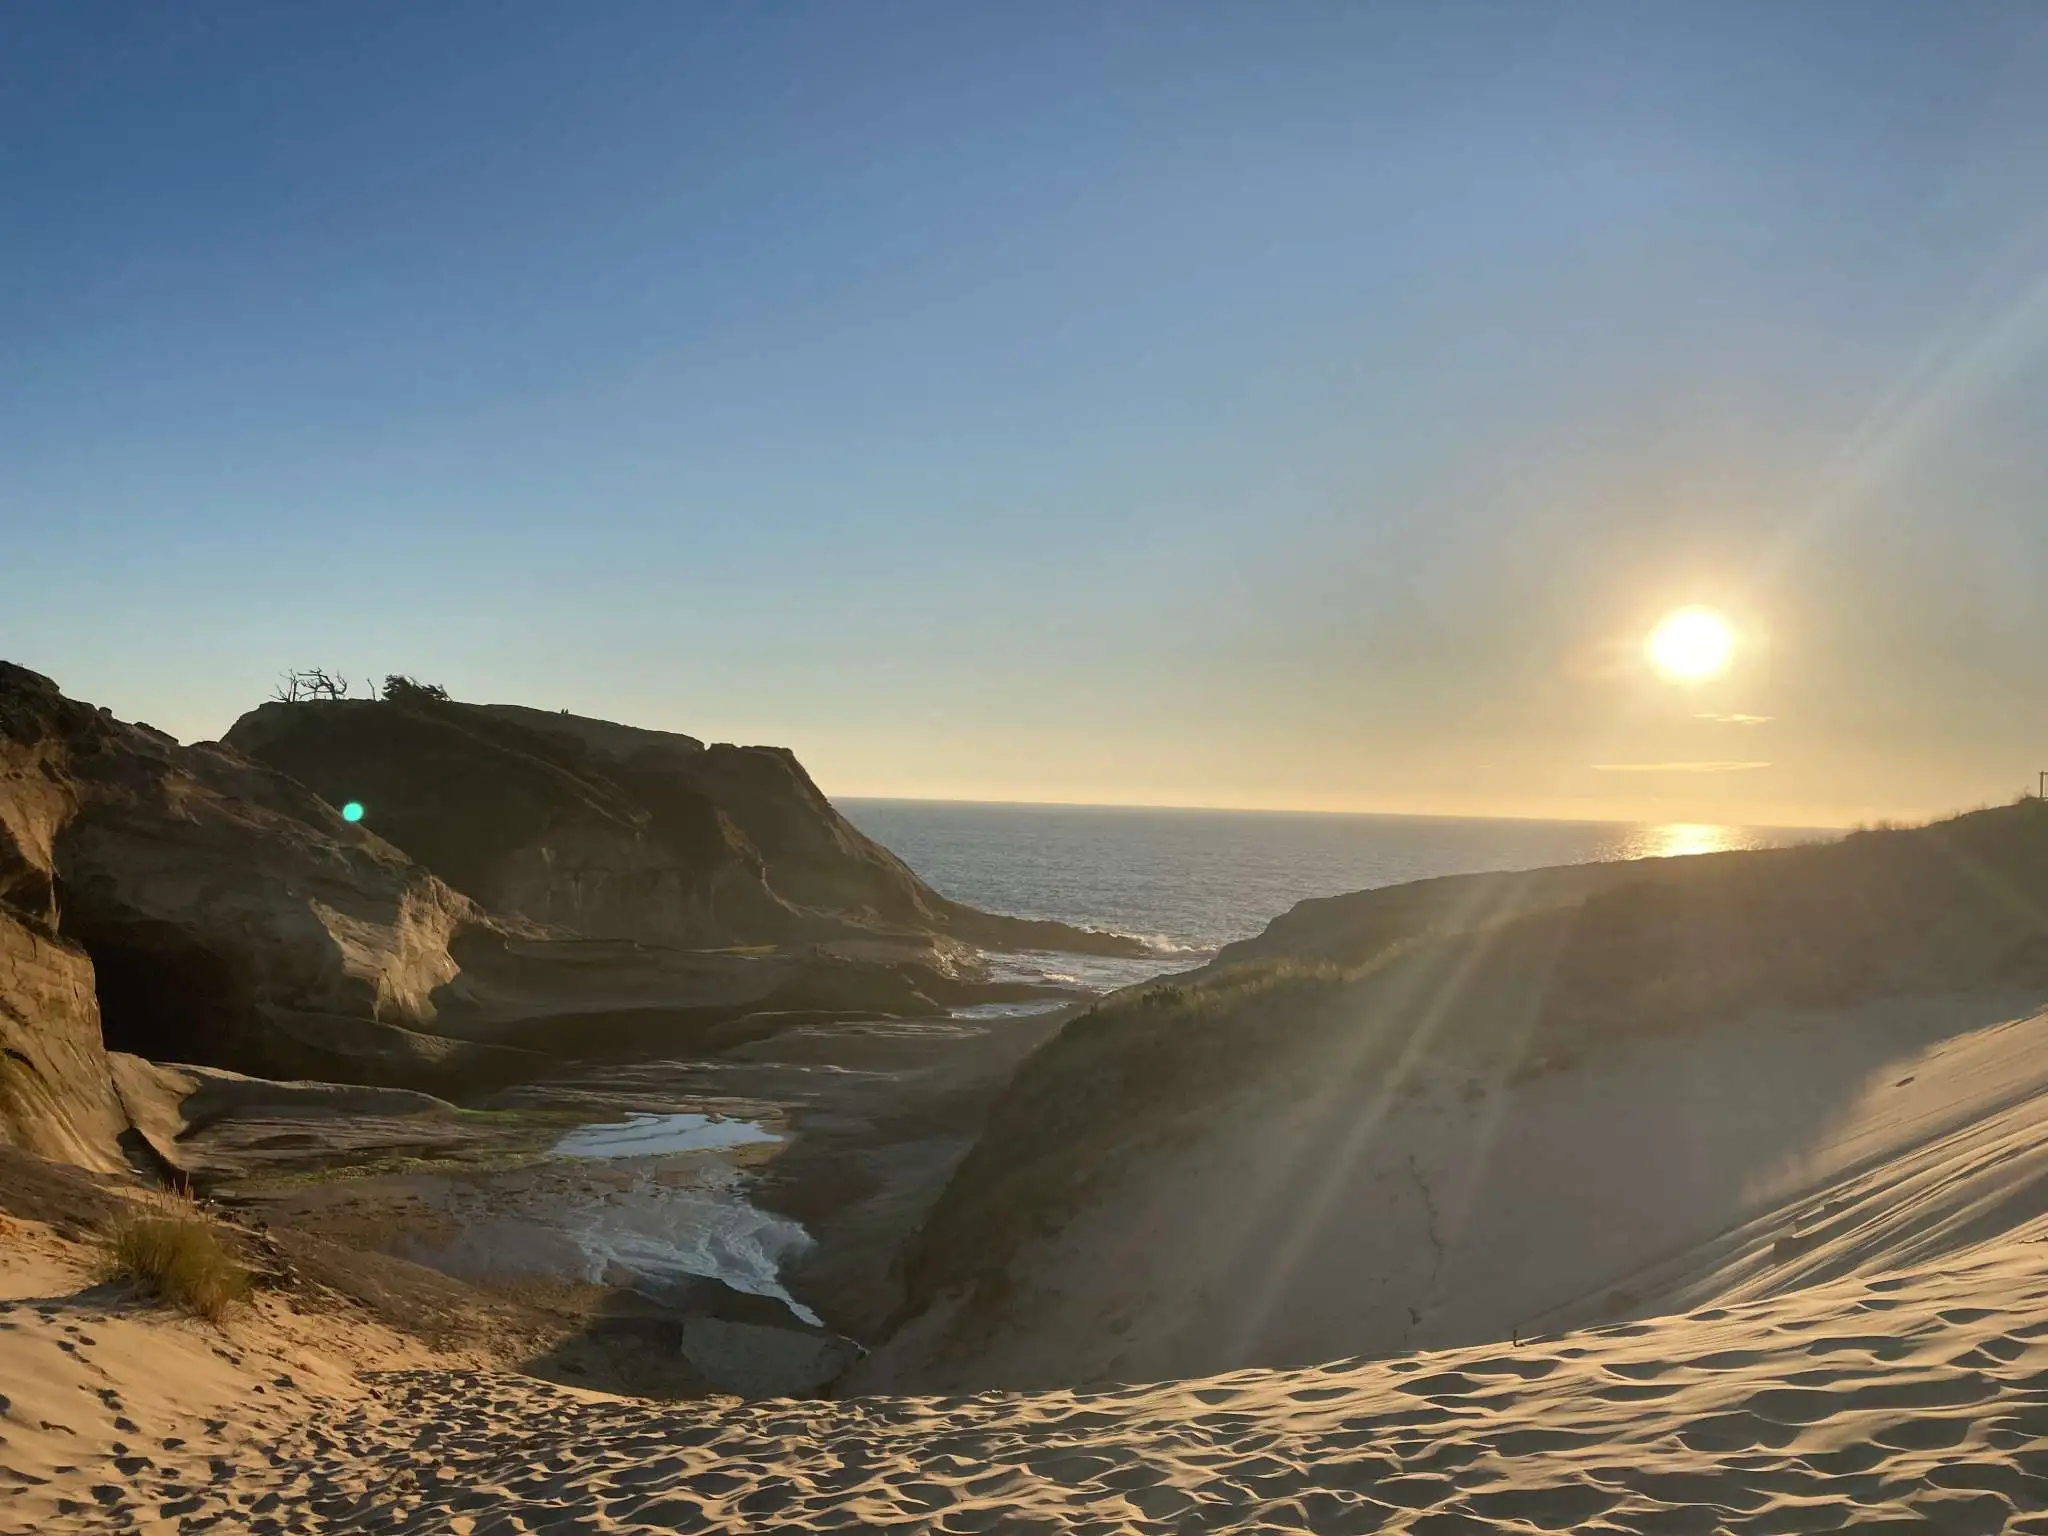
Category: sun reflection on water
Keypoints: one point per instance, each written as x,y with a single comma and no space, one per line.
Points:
1676,839
1684,837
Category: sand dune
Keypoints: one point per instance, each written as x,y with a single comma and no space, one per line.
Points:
1946,1148
1328,1210
1909,1401
115,1414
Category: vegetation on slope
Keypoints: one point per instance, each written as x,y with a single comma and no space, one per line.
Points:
1135,1070
173,1251
1521,972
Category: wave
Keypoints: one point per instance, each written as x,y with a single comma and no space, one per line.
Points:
1165,944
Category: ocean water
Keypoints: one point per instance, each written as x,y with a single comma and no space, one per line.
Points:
1190,881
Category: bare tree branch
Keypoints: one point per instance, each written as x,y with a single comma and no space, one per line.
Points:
306,684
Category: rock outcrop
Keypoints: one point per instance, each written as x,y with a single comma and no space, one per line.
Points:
613,832
229,914
196,904
56,1098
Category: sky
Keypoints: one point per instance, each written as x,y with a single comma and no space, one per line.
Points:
1264,405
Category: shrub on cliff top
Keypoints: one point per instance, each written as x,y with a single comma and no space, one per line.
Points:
399,689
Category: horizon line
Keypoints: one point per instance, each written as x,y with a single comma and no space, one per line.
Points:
1279,810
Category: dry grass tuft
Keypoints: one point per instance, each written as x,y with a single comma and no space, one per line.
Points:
174,1251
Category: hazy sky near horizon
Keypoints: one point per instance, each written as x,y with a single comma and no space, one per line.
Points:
1305,406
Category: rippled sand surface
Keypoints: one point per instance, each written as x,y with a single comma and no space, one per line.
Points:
1910,1401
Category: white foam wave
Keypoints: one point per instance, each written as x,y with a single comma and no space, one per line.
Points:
1164,944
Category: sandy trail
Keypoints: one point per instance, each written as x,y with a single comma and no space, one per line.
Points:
1910,1401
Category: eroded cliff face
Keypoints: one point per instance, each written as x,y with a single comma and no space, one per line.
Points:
614,832
229,914
521,820
56,1097
192,904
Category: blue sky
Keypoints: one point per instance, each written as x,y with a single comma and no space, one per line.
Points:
1265,405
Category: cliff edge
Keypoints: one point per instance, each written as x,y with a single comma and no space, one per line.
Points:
615,832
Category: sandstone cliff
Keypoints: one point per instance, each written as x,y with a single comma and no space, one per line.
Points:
186,903
614,832
55,1094
192,903
56,1097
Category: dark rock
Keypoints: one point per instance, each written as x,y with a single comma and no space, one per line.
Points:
610,831
192,903
231,916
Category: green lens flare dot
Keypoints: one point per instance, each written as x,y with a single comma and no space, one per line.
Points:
353,811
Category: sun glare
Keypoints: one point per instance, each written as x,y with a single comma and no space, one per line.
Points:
1691,645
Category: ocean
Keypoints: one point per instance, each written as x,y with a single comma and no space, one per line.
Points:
1190,881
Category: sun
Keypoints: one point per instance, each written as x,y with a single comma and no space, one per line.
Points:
1691,645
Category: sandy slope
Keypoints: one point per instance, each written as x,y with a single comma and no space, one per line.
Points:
1450,1198
1913,1401
114,1414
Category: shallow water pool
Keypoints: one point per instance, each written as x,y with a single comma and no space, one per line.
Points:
659,1135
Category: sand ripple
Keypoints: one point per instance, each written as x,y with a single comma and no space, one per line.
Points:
1915,1402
